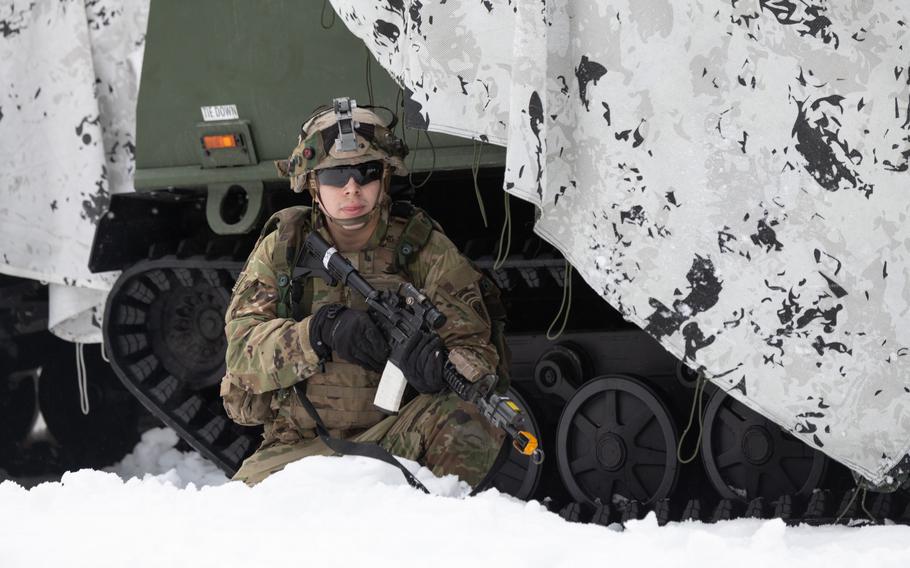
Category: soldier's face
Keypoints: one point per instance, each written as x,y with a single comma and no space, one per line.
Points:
349,200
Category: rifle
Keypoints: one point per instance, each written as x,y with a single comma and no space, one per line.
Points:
402,315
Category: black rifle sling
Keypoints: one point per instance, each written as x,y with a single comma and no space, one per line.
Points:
349,448
294,289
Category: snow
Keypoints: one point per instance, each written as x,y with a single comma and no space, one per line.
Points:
155,457
163,508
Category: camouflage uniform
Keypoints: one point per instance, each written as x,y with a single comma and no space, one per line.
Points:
268,354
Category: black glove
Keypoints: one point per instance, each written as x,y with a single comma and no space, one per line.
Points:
422,360
350,333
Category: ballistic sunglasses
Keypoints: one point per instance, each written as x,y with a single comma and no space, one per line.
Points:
339,176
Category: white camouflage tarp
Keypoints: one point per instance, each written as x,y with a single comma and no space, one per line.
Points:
730,175
70,77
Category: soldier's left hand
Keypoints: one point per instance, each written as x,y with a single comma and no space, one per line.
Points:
422,360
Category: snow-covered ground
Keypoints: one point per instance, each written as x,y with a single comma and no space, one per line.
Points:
162,508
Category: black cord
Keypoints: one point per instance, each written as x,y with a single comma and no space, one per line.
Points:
432,166
369,75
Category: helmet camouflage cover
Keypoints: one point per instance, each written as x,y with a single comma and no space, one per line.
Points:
322,143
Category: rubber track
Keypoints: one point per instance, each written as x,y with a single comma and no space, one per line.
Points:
853,507
191,414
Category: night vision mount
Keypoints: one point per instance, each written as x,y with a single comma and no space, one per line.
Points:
344,115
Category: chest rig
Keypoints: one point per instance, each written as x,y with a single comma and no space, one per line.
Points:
343,394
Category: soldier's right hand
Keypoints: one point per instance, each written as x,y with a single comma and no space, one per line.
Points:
351,334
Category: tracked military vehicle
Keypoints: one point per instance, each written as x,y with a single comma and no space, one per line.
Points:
645,392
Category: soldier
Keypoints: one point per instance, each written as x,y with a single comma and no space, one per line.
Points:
281,332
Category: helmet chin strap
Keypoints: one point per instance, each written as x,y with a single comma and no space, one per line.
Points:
356,222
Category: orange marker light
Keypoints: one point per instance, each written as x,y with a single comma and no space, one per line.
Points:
219,141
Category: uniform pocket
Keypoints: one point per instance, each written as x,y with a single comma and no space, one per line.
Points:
244,407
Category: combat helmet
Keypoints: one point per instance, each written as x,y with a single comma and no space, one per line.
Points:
344,134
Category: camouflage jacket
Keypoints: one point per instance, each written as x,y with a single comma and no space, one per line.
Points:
268,354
